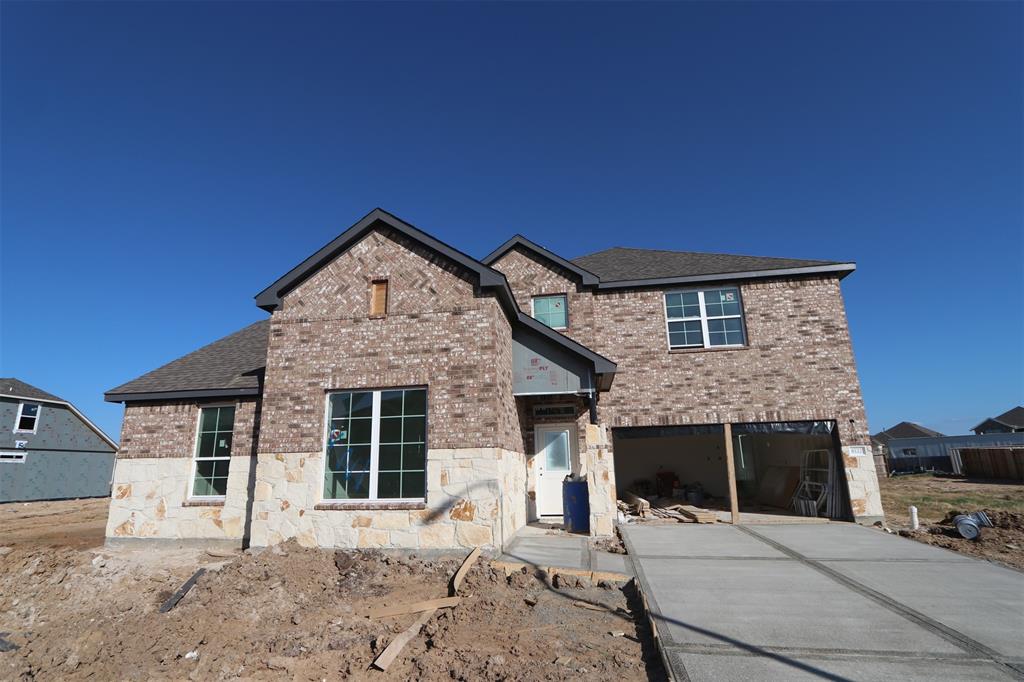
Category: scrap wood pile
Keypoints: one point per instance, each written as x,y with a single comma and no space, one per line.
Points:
664,508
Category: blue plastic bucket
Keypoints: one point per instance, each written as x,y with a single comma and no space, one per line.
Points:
576,506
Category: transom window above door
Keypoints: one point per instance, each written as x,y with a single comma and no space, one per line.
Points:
376,445
552,310
705,318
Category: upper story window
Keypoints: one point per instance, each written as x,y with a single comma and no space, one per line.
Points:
552,310
376,445
28,418
213,451
705,318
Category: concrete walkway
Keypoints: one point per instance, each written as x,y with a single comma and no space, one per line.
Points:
834,602
540,546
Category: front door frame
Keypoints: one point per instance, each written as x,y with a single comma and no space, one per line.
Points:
538,429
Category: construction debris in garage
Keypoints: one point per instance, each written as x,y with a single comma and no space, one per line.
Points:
782,468
660,508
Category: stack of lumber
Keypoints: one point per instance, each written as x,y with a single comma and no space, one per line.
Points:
642,506
686,511
669,509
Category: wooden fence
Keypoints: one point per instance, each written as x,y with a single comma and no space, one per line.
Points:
1005,463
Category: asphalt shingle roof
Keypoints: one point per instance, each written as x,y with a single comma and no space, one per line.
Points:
905,430
621,264
233,362
1014,417
12,386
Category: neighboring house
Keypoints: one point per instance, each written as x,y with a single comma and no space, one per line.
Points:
943,453
49,450
880,441
1011,421
403,394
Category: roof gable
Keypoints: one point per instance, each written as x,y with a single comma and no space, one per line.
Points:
1012,418
585,277
270,298
905,430
17,389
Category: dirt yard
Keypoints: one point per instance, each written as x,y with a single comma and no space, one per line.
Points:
938,499
71,612
78,524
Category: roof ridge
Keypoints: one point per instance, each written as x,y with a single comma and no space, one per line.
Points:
701,253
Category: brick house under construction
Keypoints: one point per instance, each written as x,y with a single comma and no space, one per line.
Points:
403,394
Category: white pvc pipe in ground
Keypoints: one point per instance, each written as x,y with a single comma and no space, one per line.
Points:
914,524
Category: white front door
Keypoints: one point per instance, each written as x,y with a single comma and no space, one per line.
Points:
554,463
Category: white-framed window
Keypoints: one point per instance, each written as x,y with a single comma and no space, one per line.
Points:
551,310
213,451
9,457
705,318
28,418
375,447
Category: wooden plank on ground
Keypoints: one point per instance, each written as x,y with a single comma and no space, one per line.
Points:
182,591
463,570
415,607
697,514
390,653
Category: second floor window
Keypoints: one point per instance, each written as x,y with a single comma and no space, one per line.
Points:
28,418
705,318
552,310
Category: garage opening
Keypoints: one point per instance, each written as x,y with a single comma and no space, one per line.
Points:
779,468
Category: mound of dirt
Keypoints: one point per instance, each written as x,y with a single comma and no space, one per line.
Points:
1004,542
297,613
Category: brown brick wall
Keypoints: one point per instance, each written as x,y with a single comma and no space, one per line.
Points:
168,429
798,364
438,332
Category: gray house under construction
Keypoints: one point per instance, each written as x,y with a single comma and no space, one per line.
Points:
49,450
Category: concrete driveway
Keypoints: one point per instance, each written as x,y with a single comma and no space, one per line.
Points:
834,601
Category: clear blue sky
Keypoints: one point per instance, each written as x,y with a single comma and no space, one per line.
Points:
162,163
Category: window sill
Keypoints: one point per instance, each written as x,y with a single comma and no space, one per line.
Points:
371,505
713,349
215,502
